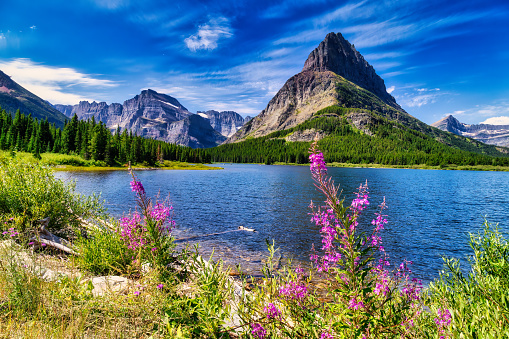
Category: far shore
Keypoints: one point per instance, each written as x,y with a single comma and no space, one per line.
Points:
450,167
175,166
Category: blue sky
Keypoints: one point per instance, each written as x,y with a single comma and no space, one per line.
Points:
436,57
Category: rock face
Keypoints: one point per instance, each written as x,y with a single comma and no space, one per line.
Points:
226,122
334,74
489,134
14,97
151,114
337,55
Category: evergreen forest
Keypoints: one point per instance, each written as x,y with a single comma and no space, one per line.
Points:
386,143
90,140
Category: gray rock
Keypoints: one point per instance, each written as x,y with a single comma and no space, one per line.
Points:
337,55
226,122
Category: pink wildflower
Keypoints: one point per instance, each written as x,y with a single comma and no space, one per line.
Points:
258,331
272,311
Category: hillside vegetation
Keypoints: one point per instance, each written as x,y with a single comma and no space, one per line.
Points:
378,141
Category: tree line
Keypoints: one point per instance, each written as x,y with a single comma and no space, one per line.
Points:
390,143
89,139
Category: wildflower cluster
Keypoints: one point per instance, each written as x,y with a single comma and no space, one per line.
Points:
443,320
356,266
11,232
148,233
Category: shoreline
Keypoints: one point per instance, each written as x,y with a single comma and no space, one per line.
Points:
483,168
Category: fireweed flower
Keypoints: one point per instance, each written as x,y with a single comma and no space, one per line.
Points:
318,167
271,311
326,335
136,186
293,291
355,305
443,320
258,331
341,247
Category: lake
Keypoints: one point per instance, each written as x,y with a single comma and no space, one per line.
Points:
430,212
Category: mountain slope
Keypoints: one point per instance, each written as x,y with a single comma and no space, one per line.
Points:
153,115
489,134
355,86
355,136
14,97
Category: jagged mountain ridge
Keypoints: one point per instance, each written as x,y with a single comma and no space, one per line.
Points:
489,134
160,116
14,97
337,55
225,122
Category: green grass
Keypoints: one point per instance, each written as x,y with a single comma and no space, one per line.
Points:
69,162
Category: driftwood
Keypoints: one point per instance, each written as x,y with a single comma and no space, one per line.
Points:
45,237
240,228
90,226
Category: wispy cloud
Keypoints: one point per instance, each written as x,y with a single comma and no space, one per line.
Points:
347,12
111,4
419,97
209,34
54,84
391,89
246,88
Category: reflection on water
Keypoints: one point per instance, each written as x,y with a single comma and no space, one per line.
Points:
430,212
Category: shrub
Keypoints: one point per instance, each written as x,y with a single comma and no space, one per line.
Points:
29,192
476,304
103,252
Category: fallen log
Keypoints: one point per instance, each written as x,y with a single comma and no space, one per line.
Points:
43,236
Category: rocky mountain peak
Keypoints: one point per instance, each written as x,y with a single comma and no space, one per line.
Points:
450,124
148,95
337,55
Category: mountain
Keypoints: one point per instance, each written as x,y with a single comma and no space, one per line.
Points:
489,134
14,97
339,97
226,122
335,73
151,114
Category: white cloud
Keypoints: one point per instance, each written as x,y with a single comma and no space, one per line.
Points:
496,121
34,27
51,83
209,34
420,100
391,89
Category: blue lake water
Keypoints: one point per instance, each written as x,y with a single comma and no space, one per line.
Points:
430,212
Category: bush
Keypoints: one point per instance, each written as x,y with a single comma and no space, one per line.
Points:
476,305
103,252
29,192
